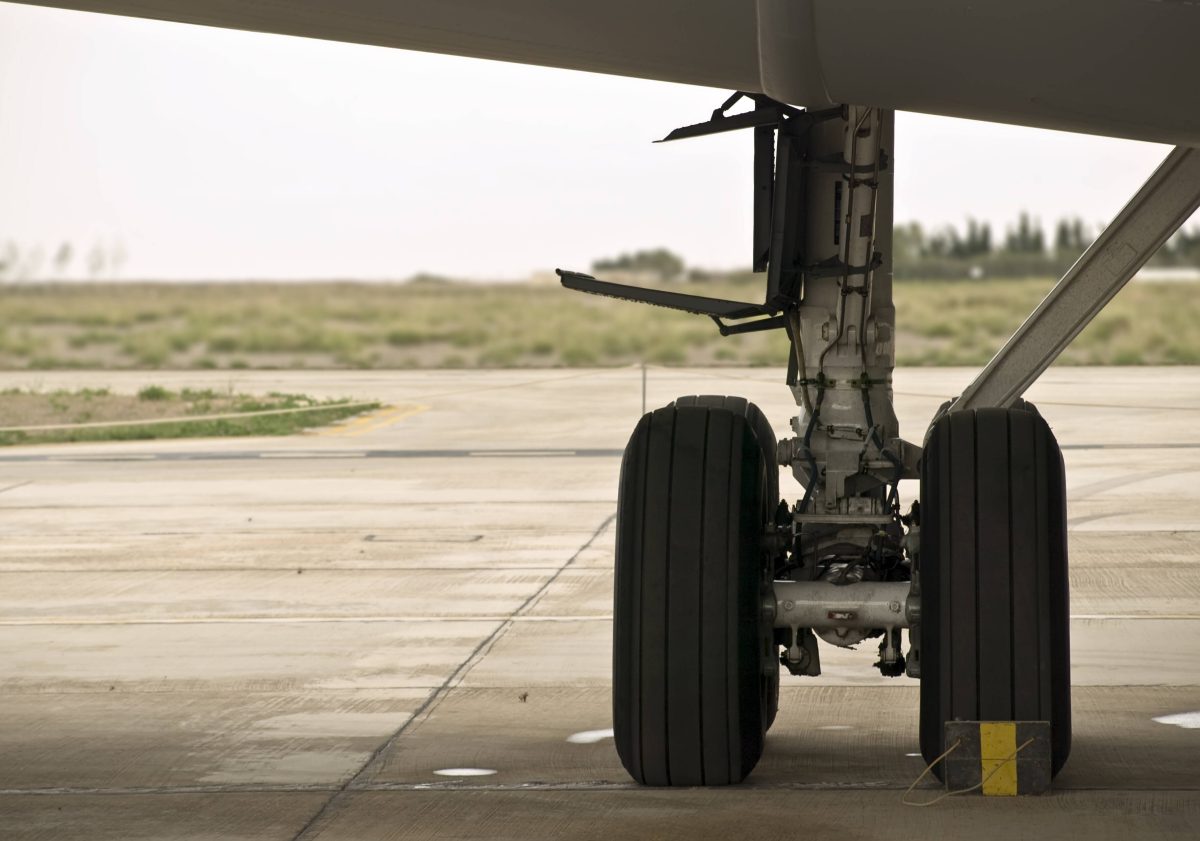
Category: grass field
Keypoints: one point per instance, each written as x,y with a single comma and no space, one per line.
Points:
439,324
29,416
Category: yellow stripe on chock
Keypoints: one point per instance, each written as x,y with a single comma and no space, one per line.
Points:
997,756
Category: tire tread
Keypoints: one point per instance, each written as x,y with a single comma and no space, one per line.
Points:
994,576
687,705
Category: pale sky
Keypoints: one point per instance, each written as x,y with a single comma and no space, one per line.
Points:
217,154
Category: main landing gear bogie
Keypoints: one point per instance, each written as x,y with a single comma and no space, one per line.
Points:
700,619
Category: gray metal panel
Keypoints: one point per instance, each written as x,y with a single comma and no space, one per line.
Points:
1127,68
703,42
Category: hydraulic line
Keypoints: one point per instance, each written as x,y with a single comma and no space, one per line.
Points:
801,368
812,461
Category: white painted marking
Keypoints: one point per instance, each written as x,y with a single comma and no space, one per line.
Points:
287,620
1188,721
1123,617
465,772
286,454
912,754
103,457
590,737
518,453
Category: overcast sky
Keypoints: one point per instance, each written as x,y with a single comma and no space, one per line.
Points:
217,154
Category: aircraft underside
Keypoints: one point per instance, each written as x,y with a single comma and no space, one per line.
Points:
1125,68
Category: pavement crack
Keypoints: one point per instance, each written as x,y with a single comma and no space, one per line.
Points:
312,827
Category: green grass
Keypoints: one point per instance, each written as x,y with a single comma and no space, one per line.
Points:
169,410
436,324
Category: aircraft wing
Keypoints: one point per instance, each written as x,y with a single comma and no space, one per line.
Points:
1127,68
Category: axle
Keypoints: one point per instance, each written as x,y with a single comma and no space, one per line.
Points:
822,606
844,615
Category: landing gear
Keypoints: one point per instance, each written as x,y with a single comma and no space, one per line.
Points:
713,581
695,669
702,538
993,577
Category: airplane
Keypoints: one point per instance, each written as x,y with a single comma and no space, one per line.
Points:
720,583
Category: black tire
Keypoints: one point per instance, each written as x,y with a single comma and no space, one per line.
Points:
993,567
692,653
758,422
766,440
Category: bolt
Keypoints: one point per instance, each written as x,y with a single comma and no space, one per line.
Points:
894,607
788,604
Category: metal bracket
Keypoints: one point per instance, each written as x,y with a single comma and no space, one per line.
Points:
767,112
776,322
715,308
1160,207
780,161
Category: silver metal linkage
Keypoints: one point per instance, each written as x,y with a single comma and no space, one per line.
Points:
845,615
823,606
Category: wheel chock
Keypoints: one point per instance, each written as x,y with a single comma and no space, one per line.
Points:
999,758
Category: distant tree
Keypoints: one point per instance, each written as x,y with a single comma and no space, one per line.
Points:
97,259
30,266
1062,235
426,279
62,258
1027,251
10,256
960,246
1069,236
908,242
1182,249
945,242
1079,234
658,261
117,256
1026,238
978,240
1189,246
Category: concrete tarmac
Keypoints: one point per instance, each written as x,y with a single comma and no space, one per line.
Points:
335,635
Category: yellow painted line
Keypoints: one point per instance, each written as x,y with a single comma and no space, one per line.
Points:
340,429
388,419
373,421
997,757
